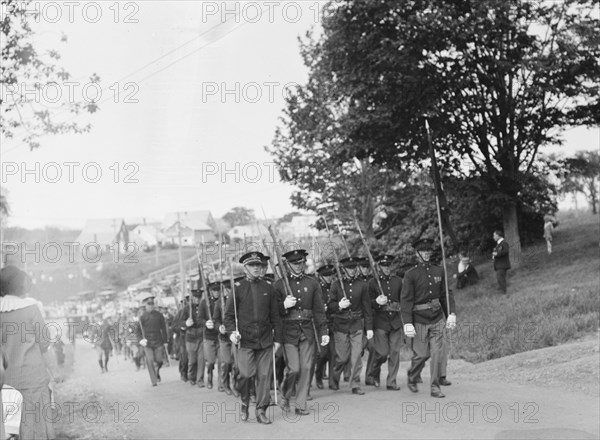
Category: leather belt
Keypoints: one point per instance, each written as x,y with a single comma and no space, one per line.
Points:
434,304
298,315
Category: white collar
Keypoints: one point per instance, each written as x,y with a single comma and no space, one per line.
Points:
12,302
500,240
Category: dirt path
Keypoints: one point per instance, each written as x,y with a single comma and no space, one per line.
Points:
477,406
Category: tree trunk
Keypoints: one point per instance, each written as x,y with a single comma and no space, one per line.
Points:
511,233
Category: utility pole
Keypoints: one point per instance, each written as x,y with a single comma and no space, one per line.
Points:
182,278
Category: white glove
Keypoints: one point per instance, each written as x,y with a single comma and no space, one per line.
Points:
189,322
144,342
222,329
369,334
289,302
210,324
451,322
381,300
409,331
235,337
324,340
174,336
344,303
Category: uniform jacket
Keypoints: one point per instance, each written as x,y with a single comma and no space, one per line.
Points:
307,292
219,320
501,260
258,317
352,318
154,328
421,284
210,334
195,332
383,318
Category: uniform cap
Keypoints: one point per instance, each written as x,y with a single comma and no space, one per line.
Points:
349,261
295,255
326,269
252,258
385,259
423,244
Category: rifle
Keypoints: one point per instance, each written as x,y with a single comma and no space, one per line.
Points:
233,295
337,261
222,293
341,235
371,260
204,285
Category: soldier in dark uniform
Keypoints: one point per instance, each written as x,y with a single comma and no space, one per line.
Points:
351,314
228,372
298,312
178,327
154,333
326,353
387,323
133,335
424,310
211,332
194,336
252,317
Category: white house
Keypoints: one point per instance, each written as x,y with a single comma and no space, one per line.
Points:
146,236
196,227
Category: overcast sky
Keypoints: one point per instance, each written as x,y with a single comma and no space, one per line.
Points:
209,80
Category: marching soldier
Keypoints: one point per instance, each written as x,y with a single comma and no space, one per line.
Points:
326,354
387,323
178,327
194,336
154,334
228,370
424,310
350,306
252,317
132,339
298,310
211,332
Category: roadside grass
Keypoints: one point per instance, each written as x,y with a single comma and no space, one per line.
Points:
552,298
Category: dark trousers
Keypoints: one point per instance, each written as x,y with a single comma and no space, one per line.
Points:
299,360
154,360
386,345
427,342
195,353
211,349
255,363
501,277
226,361
324,355
183,359
348,347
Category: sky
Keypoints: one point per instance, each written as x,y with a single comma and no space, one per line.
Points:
201,88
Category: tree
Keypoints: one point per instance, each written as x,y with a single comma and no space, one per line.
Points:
581,174
239,216
26,76
498,79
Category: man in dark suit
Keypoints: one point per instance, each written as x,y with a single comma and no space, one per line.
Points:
252,318
501,259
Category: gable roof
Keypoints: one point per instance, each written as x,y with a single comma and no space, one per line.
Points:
101,231
195,220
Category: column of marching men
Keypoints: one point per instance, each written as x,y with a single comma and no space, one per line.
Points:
248,331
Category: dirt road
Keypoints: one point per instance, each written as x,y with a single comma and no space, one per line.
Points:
481,409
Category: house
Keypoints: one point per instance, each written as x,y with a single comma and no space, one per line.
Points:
300,227
105,233
196,227
146,236
250,232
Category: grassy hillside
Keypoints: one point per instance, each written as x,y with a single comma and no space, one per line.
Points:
552,298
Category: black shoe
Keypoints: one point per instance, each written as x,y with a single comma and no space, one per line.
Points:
324,377
419,380
376,383
393,387
228,391
413,387
234,392
437,393
153,384
192,382
320,384
244,413
183,378
261,417
209,381
221,388
201,383
158,375
369,381
357,391
445,382
285,404
334,387
302,412
346,379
